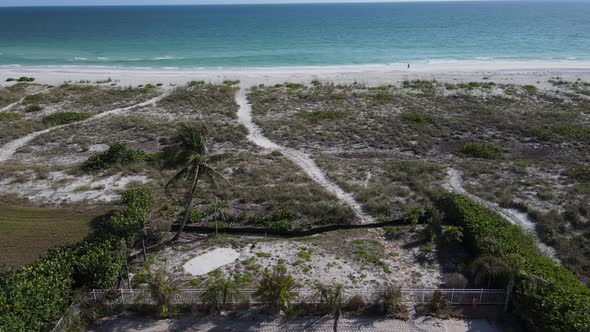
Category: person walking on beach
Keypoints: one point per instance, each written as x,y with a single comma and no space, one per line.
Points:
408,66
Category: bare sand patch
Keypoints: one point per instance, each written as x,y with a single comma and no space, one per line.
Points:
210,261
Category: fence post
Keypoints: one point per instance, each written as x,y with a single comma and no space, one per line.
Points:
423,294
452,295
480,296
94,294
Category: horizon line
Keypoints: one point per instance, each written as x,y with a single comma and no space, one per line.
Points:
277,3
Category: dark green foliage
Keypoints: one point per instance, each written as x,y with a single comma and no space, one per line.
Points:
10,79
561,132
281,219
218,294
33,108
62,118
481,150
552,299
26,79
580,173
277,289
417,118
117,154
97,264
34,297
530,88
130,219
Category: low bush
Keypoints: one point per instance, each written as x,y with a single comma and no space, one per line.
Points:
26,79
417,118
117,153
481,150
553,299
33,108
62,118
579,173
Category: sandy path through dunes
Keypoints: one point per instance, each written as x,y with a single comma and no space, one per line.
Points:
513,216
301,159
8,150
8,107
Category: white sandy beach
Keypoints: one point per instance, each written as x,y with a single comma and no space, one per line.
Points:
530,72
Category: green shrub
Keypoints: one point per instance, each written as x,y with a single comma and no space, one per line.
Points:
417,118
481,150
33,298
553,299
117,154
530,88
97,264
580,173
26,79
131,218
34,108
62,118
10,79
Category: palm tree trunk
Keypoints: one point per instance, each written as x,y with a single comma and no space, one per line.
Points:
508,293
336,317
189,201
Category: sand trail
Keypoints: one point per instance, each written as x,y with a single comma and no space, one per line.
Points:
8,150
300,158
512,215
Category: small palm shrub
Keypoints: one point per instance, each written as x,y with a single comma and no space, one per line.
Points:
277,290
390,300
218,294
162,288
330,297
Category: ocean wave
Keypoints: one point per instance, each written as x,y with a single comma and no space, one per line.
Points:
103,58
167,57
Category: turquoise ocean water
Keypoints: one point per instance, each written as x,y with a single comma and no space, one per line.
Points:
294,35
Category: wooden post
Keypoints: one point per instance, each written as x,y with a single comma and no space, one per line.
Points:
144,252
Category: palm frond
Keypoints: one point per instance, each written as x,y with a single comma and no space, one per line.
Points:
179,175
212,175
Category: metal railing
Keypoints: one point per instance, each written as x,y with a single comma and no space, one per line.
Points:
408,295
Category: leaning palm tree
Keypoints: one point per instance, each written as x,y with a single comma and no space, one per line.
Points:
191,152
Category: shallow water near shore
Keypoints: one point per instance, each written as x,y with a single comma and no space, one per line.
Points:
294,35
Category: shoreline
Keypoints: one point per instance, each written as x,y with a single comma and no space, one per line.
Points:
517,72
